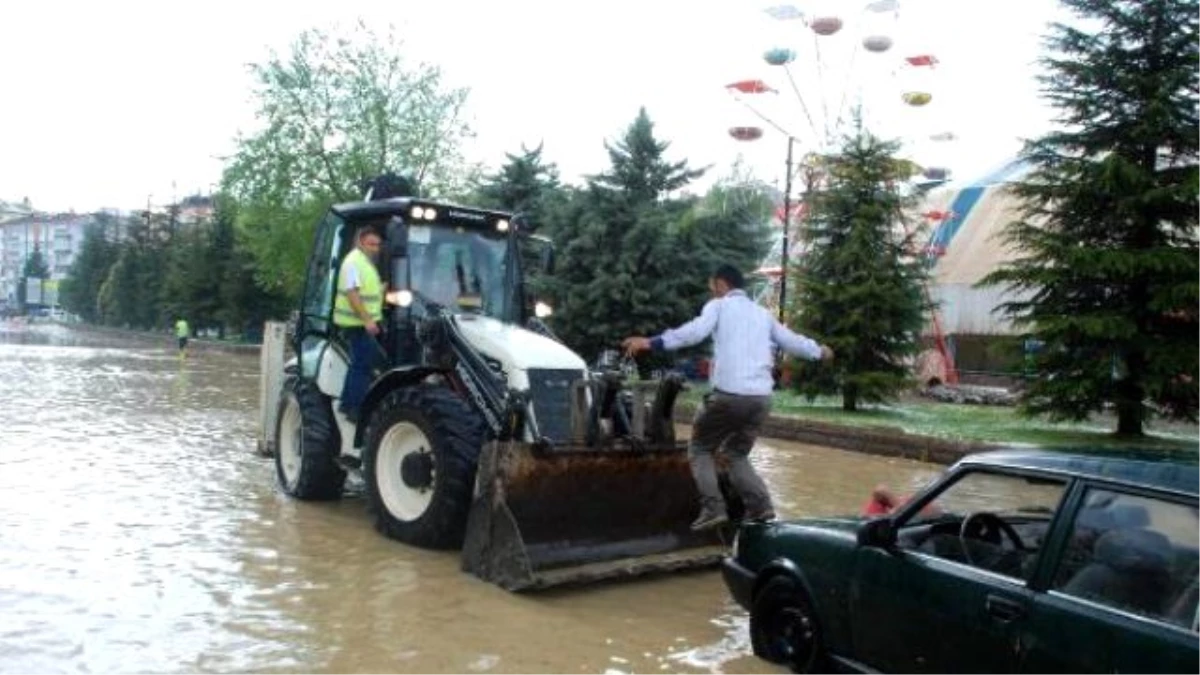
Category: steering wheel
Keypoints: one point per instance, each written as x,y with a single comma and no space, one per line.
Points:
987,527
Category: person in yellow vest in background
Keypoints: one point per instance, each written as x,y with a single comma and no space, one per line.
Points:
357,311
182,331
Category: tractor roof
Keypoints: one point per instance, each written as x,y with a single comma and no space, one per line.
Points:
400,205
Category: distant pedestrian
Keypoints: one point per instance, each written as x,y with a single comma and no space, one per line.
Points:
182,331
745,336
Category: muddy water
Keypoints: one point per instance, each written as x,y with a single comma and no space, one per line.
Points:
140,533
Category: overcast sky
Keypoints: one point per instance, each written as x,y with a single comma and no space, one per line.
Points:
109,103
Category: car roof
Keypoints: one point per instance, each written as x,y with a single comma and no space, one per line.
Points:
1174,471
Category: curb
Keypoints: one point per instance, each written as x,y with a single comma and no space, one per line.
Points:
884,441
167,340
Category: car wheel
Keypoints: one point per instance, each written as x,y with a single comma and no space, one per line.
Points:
784,628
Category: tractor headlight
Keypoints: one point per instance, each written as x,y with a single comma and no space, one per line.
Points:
423,212
401,298
502,225
542,310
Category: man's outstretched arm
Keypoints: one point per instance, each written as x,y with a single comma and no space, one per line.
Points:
690,333
799,345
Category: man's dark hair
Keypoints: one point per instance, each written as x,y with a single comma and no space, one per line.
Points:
730,275
364,231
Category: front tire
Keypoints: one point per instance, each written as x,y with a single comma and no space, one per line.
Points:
784,628
307,444
422,450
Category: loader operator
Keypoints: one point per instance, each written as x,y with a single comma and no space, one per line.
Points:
744,336
357,311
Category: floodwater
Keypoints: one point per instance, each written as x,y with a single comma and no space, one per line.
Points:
140,532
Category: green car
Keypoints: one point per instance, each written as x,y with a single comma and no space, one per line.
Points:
1012,561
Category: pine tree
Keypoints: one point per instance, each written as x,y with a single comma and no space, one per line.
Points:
526,184
80,291
1106,268
860,287
620,273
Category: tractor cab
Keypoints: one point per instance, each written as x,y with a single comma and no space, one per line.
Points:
435,258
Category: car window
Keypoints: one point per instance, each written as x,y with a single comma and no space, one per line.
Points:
1134,553
985,519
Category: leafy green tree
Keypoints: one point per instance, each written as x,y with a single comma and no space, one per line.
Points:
730,224
859,286
1106,271
336,111
245,302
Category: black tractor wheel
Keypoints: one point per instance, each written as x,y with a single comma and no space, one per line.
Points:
422,450
784,628
307,443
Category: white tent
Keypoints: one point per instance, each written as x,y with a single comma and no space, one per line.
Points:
966,227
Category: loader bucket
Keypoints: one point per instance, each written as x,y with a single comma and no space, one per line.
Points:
576,515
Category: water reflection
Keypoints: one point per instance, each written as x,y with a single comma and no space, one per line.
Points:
139,532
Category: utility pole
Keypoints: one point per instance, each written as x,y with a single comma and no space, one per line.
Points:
787,218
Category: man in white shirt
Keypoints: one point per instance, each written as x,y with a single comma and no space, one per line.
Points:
745,336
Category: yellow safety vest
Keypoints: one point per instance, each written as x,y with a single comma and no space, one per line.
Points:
370,291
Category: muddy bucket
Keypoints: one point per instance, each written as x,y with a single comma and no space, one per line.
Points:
577,515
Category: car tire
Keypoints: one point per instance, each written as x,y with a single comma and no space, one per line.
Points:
784,627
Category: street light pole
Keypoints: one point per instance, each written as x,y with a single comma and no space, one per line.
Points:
787,218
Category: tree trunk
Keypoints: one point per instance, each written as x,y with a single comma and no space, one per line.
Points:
850,398
1130,392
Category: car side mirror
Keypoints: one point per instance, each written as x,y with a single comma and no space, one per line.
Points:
878,532
397,238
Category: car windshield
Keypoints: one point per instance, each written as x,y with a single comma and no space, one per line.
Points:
461,269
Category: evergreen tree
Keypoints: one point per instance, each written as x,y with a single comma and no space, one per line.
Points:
525,184
859,286
620,274
79,292
35,268
1106,273
131,293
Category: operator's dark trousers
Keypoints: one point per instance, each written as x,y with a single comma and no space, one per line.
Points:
358,375
731,421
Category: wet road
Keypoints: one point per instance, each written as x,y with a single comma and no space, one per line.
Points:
140,532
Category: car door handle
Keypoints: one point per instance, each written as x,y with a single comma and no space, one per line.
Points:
1003,609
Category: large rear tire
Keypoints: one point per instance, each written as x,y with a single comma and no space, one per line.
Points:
307,444
422,450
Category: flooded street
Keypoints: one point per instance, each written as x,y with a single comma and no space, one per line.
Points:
140,532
